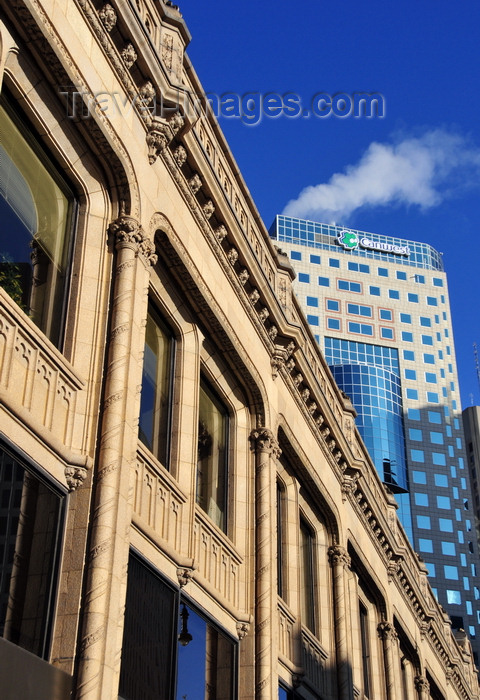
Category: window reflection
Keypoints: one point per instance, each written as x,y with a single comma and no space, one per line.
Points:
212,456
36,210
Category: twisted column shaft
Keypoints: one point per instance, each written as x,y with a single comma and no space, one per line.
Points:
99,654
266,450
339,559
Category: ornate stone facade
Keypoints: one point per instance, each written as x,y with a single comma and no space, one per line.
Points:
276,538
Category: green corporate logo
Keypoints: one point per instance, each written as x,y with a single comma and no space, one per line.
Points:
348,239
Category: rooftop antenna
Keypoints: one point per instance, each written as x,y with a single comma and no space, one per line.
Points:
477,364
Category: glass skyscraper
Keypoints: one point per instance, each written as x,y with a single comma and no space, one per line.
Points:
378,307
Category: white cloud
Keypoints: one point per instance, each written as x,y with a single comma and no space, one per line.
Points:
417,171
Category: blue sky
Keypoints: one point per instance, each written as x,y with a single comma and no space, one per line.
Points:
415,173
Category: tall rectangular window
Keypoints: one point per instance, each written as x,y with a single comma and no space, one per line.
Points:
280,540
212,456
37,210
307,601
31,517
365,649
157,385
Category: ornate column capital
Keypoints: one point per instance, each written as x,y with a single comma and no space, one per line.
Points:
243,628
338,555
184,575
263,440
128,233
422,685
386,631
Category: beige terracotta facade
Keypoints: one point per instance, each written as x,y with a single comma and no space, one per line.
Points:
299,569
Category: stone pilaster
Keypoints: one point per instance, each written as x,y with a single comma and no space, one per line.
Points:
422,686
339,561
266,452
99,654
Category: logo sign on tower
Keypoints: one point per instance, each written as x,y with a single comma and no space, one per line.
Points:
350,240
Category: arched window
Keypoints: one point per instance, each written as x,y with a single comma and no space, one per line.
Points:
36,214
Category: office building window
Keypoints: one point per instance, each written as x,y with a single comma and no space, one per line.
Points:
407,336
405,318
409,355
348,286
307,585
413,298
427,340
374,291
401,275
432,301
157,387
31,521
385,314
437,282
425,321
413,413
212,476
303,277
358,267
312,301
428,358
419,477
412,394
333,262
324,282
295,255
281,520
315,259
387,333
334,324
425,545
361,328
313,320
382,272
332,305
37,210
359,310
410,374
394,294
168,644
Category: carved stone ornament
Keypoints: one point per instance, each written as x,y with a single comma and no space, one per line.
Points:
276,362
263,440
195,183
393,568
312,408
129,55
208,209
263,314
298,379
243,629
290,348
108,16
180,155
221,232
387,631
338,555
176,122
272,332
349,485
75,476
158,138
254,296
421,684
243,276
147,92
290,365
184,575
232,256
127,230
305,394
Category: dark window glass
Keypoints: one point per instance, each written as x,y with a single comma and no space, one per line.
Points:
31,517
212,456
169,650
365,643
156,398
36,214
280,539
307,607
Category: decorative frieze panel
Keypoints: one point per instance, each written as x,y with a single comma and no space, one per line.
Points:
158,502
216,560
286,623
35,376
314,661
